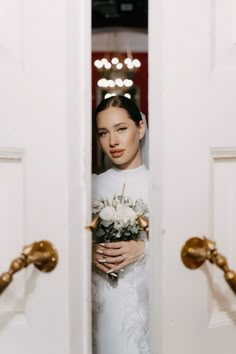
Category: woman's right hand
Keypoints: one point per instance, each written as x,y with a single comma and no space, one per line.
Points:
97,257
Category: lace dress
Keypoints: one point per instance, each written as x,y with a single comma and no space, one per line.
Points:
120,310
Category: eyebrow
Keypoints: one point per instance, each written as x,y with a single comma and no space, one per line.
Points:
115,126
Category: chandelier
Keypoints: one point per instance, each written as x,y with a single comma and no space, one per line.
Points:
116,74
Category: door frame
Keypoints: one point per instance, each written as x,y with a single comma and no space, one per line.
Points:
79,175
79,172
155,92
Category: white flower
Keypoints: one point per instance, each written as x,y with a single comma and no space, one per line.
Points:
97,206
118,218
107,213
124,213
140,207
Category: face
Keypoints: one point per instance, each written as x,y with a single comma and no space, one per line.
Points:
119,137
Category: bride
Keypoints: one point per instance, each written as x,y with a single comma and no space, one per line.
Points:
120,309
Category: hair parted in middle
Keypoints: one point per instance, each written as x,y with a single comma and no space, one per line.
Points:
120,102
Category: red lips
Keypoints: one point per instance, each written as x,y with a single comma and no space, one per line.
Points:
116,153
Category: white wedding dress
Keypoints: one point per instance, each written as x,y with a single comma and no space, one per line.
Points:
120,310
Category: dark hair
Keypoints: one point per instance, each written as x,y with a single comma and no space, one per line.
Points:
120,102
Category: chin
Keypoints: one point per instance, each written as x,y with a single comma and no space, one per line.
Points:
117,163
121,165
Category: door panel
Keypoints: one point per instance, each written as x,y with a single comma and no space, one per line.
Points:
194,172
38,186
223,207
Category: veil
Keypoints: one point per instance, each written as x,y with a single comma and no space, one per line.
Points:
145,142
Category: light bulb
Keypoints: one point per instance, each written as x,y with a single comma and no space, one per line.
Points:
107,95
114,60
119,82
111,83
136,63
127,61
130,66
128,83
104,61
98,64
108,66
102,82
119,66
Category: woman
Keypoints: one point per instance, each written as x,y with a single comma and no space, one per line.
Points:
120,309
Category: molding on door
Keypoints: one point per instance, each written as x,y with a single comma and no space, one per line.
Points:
11,39
223,33
222,229
223,152
11,153
12,229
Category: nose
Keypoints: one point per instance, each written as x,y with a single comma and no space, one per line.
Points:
113,141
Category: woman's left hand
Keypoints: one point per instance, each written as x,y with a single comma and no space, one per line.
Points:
117,255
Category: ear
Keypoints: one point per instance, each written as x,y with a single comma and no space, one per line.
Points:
141,129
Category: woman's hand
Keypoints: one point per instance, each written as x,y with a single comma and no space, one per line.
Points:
97,258
114,256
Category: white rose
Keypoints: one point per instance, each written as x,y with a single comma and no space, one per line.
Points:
107,213
124,213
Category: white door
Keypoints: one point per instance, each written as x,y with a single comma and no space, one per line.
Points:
193,159
43,174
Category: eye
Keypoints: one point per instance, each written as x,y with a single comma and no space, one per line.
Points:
102,133
122,129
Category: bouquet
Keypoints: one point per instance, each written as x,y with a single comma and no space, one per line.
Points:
120,219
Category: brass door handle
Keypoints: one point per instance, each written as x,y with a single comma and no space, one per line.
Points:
42,254
196,251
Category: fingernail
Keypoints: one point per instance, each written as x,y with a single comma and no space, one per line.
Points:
102,244
99,251
102,260
110,271
122,270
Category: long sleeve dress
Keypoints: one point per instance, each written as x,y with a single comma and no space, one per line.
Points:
120,310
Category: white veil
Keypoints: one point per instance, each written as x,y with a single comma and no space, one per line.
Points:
145,142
